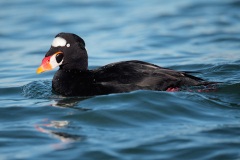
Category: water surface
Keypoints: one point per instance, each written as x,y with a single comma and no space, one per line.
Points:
202,36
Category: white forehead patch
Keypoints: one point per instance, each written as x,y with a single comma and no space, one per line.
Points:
59,41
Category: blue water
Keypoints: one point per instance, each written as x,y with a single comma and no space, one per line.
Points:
202,36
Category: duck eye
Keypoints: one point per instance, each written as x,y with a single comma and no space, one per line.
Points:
59,57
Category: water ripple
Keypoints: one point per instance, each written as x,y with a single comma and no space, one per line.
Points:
38,89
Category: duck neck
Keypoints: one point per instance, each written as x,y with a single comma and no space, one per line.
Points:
80,66
79,62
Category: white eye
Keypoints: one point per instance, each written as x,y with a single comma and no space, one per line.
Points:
58,41
68,45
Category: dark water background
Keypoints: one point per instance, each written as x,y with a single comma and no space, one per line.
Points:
201,36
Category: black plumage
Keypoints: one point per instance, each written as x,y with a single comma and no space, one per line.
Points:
74,79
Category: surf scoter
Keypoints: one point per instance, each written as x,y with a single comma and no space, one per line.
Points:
74,79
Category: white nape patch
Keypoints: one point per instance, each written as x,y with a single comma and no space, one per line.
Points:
59,41
53,61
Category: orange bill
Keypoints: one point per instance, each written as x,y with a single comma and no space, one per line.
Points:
45,66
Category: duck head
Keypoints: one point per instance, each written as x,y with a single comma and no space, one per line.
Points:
67,51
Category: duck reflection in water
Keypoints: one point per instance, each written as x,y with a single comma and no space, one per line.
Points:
51,128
